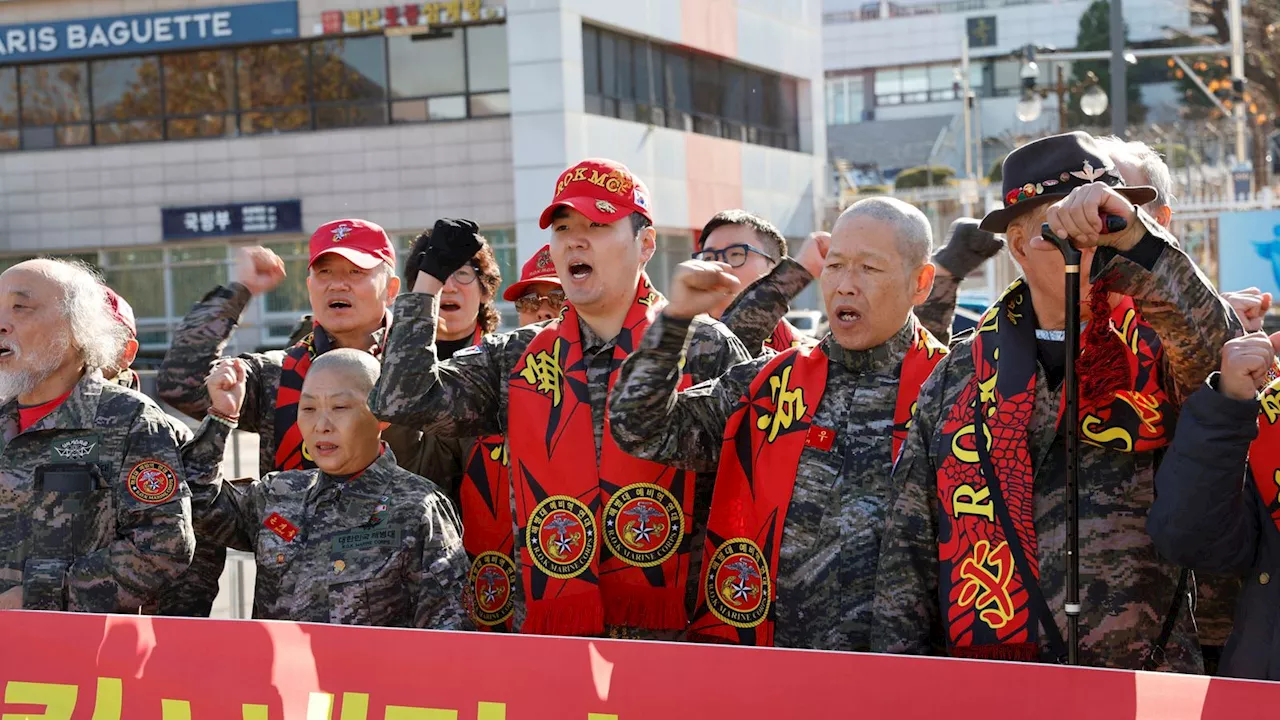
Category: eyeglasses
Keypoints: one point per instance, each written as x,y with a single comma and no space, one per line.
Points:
733,256
465,275
529,302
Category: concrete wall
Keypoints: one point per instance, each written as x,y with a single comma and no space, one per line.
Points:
691,176
404,178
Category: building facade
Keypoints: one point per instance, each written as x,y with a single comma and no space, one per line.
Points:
151,137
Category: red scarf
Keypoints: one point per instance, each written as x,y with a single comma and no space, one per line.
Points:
993,609
1264,452
291,452
763,442
603,544
783,337
485,498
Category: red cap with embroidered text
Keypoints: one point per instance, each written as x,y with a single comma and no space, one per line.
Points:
603,190
538,268
363,243
121,311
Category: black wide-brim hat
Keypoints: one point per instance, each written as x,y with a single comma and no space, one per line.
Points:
1048,169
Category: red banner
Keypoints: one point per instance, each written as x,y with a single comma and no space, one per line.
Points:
95,667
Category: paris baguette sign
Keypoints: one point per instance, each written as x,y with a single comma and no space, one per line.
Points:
148,32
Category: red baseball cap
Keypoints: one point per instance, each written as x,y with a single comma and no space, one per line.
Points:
538,268
603,190
365,244
121,311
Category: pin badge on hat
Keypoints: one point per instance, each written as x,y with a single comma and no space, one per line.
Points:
341,232
605,206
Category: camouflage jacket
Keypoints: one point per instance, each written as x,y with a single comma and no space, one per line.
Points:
759,308
198,343
95,514
831,539
466,396
1126,589
381,548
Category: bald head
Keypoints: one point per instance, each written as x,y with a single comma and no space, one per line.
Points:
357,370
909,226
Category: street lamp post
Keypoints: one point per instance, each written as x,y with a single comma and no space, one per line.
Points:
1093,99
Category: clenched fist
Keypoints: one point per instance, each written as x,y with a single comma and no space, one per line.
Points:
813,254
1245,363
226,384
259,269
699,286
1079,216
1251,305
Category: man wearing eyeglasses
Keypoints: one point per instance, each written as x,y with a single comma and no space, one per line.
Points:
603,540
538,295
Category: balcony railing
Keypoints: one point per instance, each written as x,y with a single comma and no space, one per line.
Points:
877,11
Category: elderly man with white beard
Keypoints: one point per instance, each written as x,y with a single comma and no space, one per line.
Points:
95,515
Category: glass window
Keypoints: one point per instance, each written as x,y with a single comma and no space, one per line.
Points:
124,90
198,87
857,97
648,72
349,69
9,137
679,94
291,294
706,85
942,81
837,101
1005,77
490,104
138,275
503,242
591,61
608,65
273,88
427,64
889,86
192,271
733,92
626,79
487,58
55,94
755,99
915,84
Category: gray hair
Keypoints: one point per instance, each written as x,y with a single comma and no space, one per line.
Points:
361,367
95,333
910,226
1149,161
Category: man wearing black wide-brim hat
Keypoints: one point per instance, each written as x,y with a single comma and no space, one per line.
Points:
973,563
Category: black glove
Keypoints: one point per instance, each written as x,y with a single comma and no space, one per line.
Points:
452,244
967,248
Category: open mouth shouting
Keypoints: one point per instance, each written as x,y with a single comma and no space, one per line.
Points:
448,306
340,304
579,270
845,315
325,448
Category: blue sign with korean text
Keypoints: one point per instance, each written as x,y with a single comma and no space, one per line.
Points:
149,32
209,221
1249,251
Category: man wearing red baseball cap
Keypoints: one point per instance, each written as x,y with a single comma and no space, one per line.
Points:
538,294
599,547
351,281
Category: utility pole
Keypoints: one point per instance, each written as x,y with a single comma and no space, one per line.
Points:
1237,75
1119,98
1061,90
966,106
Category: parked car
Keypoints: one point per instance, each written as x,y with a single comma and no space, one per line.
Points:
809,322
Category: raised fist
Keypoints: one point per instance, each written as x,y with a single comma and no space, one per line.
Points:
1251,305
813,253
259,269
1078,216
1245,363
453,243
226,384
699,286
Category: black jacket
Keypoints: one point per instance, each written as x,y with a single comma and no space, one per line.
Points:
1208,515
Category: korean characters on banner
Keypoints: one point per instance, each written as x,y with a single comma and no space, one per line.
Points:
411,15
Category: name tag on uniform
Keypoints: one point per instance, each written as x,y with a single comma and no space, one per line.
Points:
278,525
820,438
75,450
366,538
